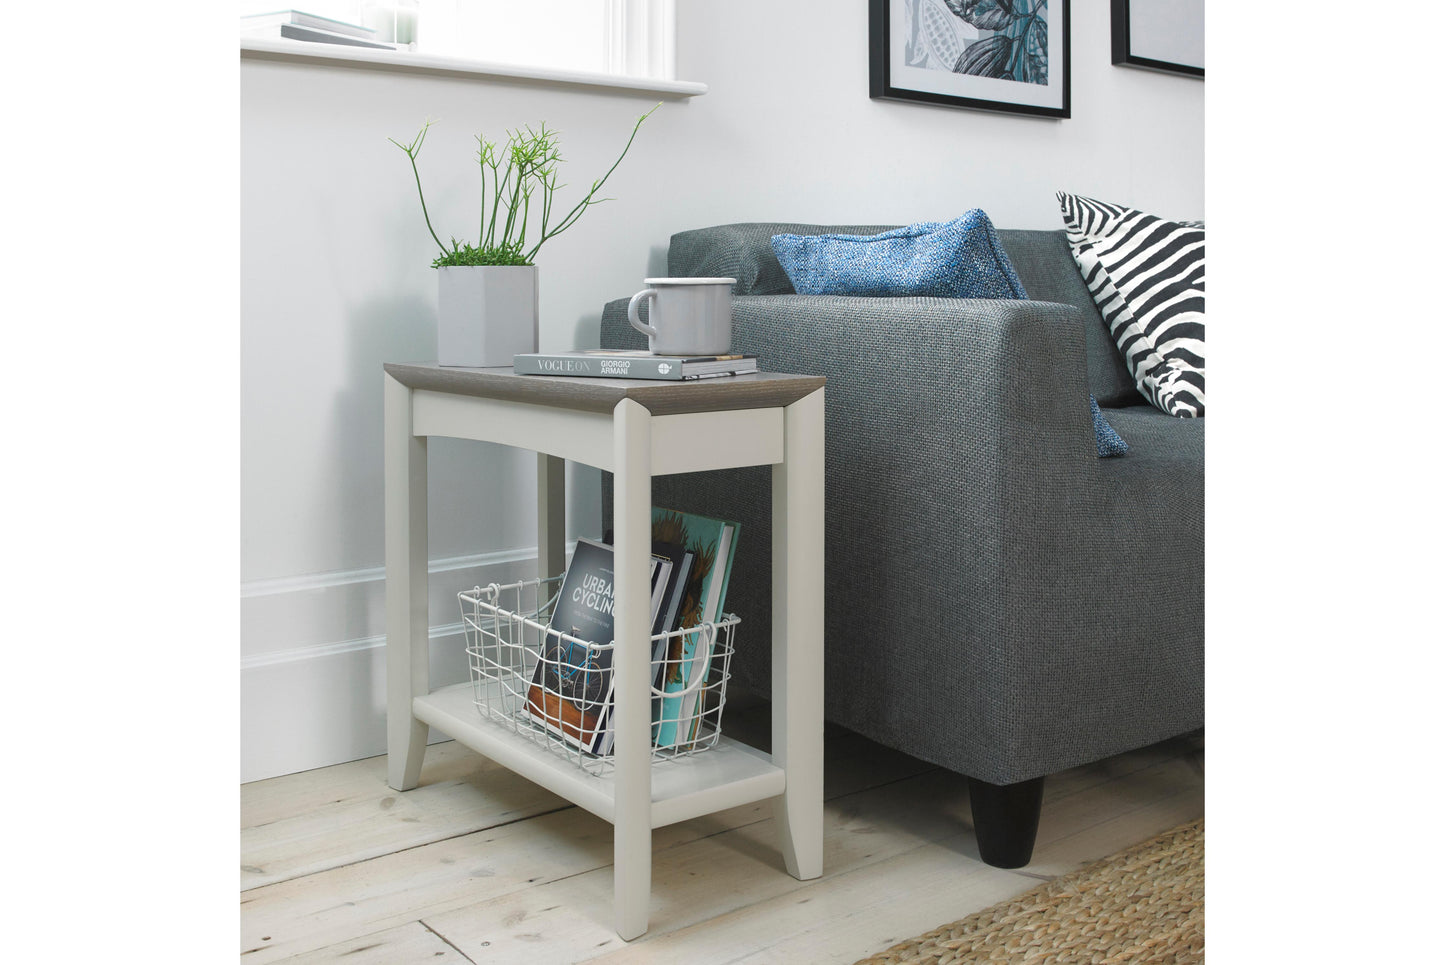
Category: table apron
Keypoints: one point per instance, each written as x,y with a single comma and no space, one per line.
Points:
584,437
689,442
701,441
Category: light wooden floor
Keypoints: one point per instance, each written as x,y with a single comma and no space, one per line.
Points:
477,865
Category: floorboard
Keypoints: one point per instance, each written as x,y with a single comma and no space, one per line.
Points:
478,865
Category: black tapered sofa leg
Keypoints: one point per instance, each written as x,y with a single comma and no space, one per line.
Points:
1006,820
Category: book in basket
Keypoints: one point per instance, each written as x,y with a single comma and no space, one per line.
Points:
628,364
713,543
571,687
680,604
676,562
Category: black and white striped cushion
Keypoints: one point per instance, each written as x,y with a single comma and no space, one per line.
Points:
1147,277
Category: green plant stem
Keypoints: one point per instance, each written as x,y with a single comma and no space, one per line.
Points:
424,213
576,212
526,213
499,184
549,186
481,165
411,154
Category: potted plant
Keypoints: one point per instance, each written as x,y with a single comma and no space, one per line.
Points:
487,292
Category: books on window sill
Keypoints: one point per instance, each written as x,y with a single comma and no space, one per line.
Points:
628,364
298,25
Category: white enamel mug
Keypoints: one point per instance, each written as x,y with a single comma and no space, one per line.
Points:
688,316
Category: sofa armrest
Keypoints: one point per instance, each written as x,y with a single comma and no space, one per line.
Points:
965,378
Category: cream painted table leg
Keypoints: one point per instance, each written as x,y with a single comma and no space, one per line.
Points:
551,515
631,663
406,588
798,635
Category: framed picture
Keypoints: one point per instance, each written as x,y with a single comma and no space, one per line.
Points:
991,55
1163,35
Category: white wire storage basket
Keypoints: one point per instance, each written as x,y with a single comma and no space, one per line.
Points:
555,689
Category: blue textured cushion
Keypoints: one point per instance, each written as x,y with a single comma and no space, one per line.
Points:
957,259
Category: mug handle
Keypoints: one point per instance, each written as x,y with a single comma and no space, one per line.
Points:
632,316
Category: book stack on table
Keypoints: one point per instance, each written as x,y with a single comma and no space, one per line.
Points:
627,364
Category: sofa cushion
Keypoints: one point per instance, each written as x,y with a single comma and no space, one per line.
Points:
1041,259
961,258
744,251
1147,277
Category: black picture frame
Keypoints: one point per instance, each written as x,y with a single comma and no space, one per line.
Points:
1129,50
953,88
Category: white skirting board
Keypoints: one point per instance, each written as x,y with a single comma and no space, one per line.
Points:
313,682
331,708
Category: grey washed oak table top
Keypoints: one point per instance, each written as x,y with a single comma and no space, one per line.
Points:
757,390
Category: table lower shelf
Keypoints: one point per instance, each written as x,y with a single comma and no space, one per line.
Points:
725,776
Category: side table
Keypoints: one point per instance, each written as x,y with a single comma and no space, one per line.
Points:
635,429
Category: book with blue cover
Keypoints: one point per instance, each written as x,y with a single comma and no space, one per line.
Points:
713,543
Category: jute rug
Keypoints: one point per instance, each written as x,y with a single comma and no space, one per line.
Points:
1144,904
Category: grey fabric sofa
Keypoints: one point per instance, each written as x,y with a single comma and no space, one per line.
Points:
999,600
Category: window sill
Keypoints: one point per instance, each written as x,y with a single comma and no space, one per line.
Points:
407,62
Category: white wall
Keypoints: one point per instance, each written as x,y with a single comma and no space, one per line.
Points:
335,280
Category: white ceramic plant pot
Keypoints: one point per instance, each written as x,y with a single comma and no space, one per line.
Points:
486,314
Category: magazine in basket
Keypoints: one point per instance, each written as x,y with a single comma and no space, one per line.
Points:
571,687
664,618
713,543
